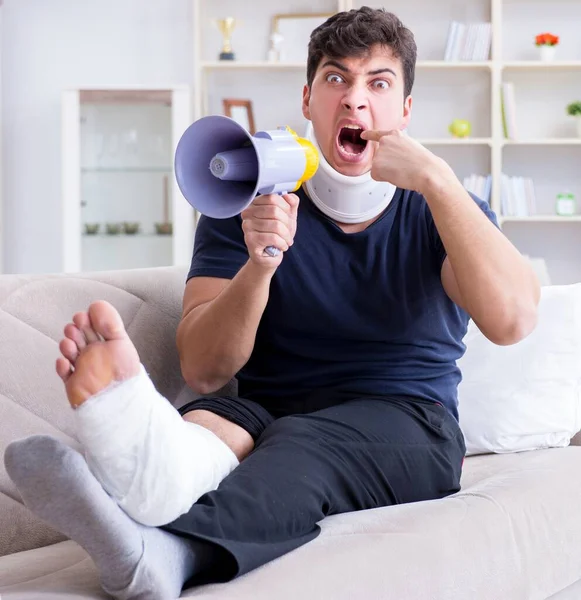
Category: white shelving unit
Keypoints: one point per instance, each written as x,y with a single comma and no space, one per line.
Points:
547,149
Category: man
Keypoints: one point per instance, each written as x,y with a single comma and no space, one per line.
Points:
345,348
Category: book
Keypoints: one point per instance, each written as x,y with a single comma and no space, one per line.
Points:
517,196
468,41
508,110
479,185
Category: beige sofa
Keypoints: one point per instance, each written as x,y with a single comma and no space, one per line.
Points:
512,533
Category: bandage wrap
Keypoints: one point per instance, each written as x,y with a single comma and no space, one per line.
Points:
154,464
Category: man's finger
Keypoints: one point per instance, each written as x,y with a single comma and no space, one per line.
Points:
374,135
292,199
272,200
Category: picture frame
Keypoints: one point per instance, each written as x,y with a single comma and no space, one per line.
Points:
293,32
241,111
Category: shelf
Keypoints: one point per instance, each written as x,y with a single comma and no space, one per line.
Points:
541,219
543,142
537,64
447,64
234,64
121,96
126,170
126,235
468,141
422,64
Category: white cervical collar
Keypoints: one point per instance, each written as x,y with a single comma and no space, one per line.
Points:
346,199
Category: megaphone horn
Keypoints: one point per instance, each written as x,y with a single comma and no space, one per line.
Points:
220,167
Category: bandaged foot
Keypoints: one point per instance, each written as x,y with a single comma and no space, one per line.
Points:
154,464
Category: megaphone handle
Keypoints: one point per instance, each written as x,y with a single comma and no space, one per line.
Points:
273,251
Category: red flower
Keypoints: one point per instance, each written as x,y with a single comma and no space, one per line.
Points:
546,39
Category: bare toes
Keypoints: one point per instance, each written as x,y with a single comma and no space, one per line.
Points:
74,333
63,368
69,350
106,321
82,321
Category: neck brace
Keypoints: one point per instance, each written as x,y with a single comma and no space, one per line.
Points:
346,199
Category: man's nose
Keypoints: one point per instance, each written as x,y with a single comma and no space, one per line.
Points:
355,99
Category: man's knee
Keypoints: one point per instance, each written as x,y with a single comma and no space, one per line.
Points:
297,436
283,428
234,436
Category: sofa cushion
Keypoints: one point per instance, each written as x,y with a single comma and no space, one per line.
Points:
512,532
526,396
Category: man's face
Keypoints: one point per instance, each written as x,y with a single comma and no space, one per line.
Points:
351,95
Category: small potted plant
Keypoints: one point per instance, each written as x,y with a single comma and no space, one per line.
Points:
574,110
165,228
91,228
113,228
131,228
547,42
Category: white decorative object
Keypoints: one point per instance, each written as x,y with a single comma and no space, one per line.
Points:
526,396
565,205
296,29
275,50
548,52
578,121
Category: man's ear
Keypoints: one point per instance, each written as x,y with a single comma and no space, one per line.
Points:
407,113
306,100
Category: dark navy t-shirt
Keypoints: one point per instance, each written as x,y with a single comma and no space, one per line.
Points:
349,313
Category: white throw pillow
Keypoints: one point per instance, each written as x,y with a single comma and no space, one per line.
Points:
526,396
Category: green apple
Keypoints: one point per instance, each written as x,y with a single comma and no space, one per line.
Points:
460,128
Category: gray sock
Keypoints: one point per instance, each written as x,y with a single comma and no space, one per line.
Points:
134,561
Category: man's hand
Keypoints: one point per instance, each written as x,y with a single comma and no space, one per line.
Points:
403,161
270,221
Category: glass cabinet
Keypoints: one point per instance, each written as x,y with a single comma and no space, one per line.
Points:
122,208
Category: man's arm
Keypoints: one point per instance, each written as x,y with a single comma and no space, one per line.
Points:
483,272
218,328
216,335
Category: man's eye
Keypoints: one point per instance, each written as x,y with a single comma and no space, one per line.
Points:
381,84
333,78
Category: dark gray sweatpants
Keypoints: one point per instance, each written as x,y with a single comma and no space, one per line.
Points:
358,454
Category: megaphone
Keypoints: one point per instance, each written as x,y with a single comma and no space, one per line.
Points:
220,167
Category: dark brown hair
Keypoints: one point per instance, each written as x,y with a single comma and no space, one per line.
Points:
353,33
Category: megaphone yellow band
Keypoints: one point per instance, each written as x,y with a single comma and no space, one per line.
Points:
311,156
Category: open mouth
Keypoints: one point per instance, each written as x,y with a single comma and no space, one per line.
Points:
350,140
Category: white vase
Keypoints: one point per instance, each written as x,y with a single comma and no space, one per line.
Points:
578,119
548,52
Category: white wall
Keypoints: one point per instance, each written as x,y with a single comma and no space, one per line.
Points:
1,161
49,45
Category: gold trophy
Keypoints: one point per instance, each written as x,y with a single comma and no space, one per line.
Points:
226,27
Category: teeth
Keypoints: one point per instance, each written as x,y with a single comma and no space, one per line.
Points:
343,149
347,151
